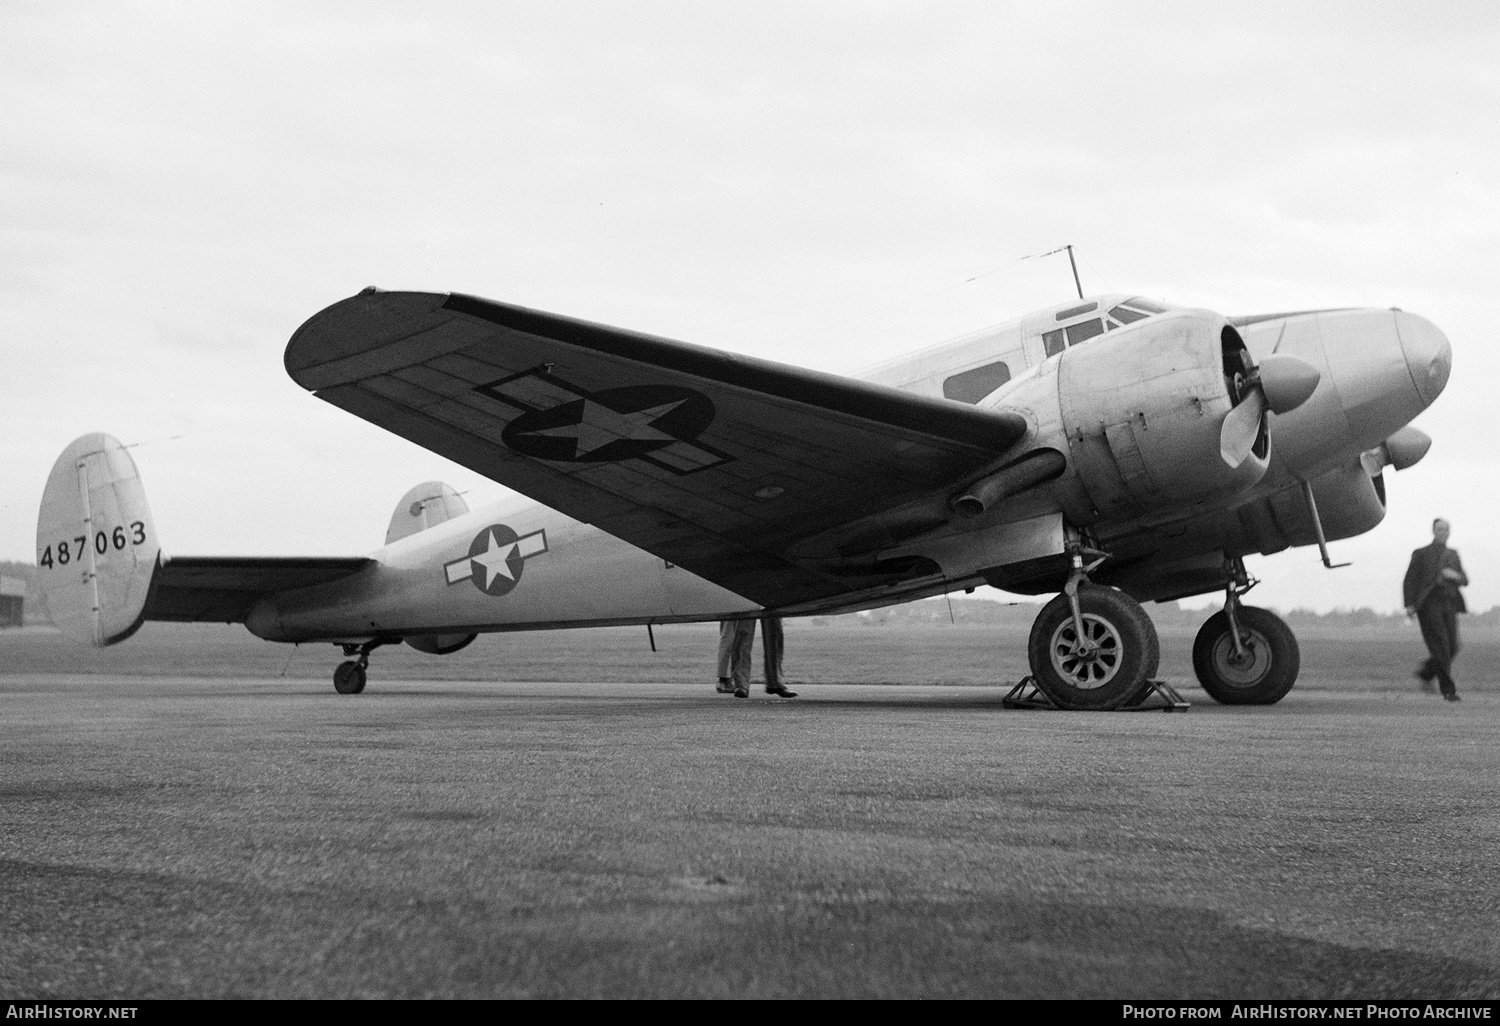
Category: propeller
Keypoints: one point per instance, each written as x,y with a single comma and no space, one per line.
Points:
1280,383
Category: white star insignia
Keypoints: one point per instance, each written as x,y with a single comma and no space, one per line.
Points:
599,426
493,559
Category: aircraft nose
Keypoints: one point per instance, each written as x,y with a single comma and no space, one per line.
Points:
1429,357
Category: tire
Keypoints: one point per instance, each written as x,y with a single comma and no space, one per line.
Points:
1265,676
349,678
1126,656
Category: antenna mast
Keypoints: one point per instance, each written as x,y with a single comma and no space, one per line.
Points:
1071,263
1074,264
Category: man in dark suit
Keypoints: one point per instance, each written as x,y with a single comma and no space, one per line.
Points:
1431,594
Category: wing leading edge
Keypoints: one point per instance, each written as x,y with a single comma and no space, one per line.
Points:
716,462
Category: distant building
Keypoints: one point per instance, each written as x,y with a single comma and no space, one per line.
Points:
12,601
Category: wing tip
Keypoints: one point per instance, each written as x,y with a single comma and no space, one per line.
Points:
354,325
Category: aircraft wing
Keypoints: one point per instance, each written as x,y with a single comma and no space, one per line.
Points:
716,462
212,589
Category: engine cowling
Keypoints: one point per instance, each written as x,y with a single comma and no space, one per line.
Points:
1139,412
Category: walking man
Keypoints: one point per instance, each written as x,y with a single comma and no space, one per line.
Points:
1430,593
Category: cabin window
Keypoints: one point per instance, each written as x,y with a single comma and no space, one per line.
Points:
1084,330
970,386
1053,340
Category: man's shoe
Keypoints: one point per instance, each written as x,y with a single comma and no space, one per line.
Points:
741,692
726,686
1451,696
780,691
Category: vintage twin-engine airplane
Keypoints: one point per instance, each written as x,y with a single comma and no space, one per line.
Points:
1112,450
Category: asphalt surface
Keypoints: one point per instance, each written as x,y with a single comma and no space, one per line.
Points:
268,838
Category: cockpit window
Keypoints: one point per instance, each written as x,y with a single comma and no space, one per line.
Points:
970,386
1136,308
1084,330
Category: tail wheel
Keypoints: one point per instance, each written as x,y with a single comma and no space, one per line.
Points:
1262,673
349,678
1116,653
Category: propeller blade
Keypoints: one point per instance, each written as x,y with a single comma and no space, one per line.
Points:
1241,425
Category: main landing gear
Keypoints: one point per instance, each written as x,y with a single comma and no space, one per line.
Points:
1245,655
1092,647
349,677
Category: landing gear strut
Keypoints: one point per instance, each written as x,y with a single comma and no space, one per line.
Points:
1092,647
1245,655
349,677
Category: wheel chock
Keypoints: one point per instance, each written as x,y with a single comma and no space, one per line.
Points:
1152,696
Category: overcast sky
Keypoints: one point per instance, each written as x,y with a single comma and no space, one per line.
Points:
827,184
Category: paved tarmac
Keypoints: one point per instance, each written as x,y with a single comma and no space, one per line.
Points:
268,838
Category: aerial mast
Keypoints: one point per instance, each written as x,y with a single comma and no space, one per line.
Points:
1074,264
1071,263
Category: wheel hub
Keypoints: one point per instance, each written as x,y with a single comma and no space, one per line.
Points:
1246,667
1090,660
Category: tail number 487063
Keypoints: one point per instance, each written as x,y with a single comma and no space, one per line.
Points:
68,552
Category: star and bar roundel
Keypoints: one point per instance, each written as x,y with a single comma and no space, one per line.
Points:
561,422
496,557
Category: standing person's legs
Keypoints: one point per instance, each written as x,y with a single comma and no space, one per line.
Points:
726,656
773,645
744,648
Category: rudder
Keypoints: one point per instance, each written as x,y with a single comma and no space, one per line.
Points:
96,543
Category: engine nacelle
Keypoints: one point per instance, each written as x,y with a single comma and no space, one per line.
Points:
1139,410
1350,502
440,644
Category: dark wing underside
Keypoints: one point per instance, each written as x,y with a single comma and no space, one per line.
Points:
222,589
743,471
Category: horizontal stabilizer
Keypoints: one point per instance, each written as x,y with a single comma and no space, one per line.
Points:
222,589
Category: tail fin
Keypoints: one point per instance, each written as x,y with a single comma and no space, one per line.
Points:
96,543
426,505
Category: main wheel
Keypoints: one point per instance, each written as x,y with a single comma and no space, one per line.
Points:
349,678
1117,653
1266,670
